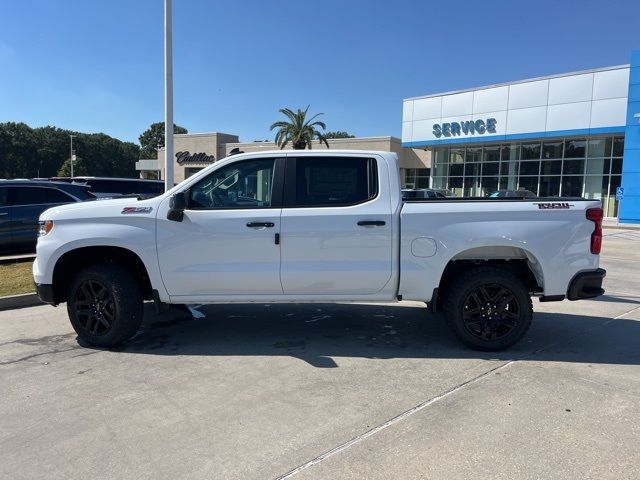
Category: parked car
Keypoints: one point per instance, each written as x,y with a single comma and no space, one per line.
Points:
110,187
444,191
418,193
22,202
330,226
513,194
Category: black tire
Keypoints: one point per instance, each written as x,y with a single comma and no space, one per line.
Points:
488,308
105,305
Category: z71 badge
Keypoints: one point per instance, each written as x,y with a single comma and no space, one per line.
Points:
130,210
554,205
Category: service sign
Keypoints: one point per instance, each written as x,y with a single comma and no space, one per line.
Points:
470,127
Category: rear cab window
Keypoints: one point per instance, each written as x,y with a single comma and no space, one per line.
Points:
330,181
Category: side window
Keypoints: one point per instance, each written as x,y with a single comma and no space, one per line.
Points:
3,197
56,196
245,184
333,182
27,196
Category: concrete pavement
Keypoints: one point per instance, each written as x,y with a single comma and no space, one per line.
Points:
329,391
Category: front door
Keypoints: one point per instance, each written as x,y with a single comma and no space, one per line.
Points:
226,243
336,227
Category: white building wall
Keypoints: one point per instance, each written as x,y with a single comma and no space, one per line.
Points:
578,101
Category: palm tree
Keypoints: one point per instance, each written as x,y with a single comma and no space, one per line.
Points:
298,130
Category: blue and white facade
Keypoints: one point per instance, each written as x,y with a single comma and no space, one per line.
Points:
576,134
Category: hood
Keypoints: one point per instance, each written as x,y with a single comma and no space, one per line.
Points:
102,208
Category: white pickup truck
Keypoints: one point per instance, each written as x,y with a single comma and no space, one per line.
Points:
317,226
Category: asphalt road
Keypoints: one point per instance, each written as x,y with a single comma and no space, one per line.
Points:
329,391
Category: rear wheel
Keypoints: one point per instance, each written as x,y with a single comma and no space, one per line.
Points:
105,305
488,309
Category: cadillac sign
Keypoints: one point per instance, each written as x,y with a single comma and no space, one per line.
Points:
471,127
186,157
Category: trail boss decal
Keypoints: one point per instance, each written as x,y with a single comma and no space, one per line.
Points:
130,210
554,205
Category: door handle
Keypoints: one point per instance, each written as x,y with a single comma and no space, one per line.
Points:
260,224
371,223
3,214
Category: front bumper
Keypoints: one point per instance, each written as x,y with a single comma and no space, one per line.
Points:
586,285
45,293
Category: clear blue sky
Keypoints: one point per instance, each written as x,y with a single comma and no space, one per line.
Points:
97,66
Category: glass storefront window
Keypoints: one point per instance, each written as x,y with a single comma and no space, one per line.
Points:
549,186
510,152
575,148
530,151
572,186
552,150
441,155
472,169
509,168
456,155
551,167
568,167
618,146
490,168
508,183
598,166
599,147
573,167
488,185
473,154
616,166
529,168
528,183
491,153
456,170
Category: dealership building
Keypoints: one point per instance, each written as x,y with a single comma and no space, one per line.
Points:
576,134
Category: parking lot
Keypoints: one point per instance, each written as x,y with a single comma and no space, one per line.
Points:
320,391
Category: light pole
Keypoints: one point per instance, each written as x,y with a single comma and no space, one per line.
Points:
168,98
71,153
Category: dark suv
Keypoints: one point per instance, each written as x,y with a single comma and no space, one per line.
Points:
109,187
22,202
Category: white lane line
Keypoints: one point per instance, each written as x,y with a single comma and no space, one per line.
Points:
393,421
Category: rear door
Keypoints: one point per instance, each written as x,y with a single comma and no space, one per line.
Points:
336,227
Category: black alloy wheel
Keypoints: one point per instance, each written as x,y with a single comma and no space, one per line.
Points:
95,307
491,311
488,308
105,304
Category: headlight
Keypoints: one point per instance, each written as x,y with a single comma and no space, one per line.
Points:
45,227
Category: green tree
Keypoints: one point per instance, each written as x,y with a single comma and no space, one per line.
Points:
79,168
153,137
27,152
298,130
338,134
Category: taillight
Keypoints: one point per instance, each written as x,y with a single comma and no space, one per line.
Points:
595,215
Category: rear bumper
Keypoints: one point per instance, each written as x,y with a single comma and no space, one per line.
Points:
45,293
586,285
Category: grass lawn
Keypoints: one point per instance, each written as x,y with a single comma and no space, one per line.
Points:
16,278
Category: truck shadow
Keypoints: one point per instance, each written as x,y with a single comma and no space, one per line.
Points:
320,333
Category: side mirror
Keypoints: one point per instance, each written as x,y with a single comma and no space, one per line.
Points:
177,204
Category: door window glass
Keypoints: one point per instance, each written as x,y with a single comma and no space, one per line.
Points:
239,185
27,196
330,182
3,197
56,196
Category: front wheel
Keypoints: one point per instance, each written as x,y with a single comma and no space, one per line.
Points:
488,309
105,305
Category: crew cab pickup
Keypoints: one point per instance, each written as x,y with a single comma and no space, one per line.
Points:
311,226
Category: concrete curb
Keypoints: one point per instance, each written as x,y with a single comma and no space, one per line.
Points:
19,301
